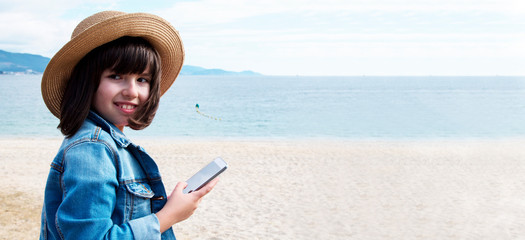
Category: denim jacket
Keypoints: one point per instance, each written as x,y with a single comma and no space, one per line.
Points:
102,186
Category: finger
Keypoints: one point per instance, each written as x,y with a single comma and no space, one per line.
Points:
180,186
213,182
207,188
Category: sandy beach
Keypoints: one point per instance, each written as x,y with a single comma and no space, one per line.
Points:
313,189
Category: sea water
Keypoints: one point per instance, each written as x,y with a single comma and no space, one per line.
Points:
357,107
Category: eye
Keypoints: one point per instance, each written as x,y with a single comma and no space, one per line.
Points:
143,80
115,76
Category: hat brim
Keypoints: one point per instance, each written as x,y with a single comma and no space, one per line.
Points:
157,31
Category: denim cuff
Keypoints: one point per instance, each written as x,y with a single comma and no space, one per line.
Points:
147,227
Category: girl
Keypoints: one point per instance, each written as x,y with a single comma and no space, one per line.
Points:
101,185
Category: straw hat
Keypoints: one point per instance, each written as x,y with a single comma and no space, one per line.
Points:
104,27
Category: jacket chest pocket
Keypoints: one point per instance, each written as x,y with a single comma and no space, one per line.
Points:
138,199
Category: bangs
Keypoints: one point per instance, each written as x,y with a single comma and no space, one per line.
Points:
130,55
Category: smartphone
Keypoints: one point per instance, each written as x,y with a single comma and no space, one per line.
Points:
205,175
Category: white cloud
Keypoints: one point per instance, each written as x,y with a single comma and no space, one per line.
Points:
305,36
24,32
311,33
213,11
39,27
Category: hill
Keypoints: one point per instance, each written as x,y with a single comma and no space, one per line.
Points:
22,62
194,70
30,63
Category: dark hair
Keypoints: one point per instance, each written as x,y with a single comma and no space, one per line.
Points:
126,55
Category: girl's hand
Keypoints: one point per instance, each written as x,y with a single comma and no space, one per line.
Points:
181,206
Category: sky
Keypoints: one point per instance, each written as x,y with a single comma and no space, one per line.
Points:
305,37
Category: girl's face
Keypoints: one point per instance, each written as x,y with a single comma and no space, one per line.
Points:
119,95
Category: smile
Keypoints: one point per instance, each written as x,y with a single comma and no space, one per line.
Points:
128,107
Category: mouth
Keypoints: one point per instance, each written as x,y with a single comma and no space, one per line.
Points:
126,107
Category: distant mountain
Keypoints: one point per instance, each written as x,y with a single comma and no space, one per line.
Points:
193,70
22,62
30,63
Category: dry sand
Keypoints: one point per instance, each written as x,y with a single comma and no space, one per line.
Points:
313,189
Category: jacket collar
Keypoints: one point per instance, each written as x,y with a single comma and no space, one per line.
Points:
115,133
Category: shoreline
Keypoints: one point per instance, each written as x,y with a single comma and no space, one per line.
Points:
312,188
133,137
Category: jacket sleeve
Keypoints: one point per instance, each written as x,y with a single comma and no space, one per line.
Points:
89,185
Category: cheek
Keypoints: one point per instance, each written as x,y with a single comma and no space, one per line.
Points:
98,101
101,95
144,94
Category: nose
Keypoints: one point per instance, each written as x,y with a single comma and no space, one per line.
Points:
130,89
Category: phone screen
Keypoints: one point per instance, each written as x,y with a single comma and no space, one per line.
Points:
205,175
